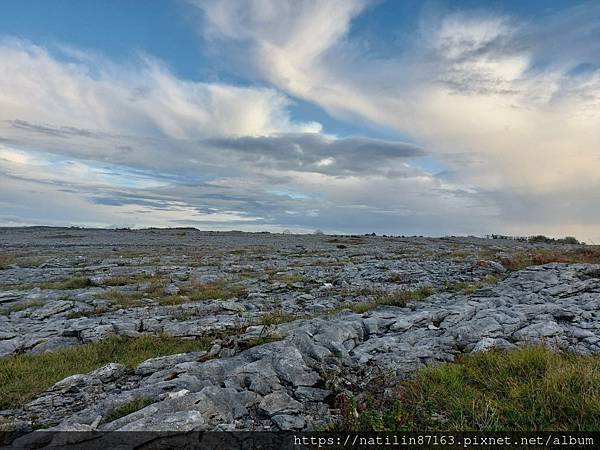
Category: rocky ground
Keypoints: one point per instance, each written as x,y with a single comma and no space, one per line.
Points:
339,310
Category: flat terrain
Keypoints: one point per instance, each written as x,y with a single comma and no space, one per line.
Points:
187,330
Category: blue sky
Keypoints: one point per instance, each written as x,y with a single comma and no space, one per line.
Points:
350,116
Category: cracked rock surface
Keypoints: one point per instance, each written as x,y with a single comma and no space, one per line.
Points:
290,383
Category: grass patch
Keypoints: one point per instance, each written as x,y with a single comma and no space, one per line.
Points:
220,289
398,298
70,283
459,254
529,389
77,282
28,262
469,287
124,280
128,408
7,261
260,340
172,300
23,377
8,310
123,299
276,318
91,313
289,278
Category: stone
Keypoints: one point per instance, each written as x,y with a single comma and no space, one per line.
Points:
288,422
279,403
171,289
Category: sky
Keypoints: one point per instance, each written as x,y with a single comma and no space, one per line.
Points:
348,116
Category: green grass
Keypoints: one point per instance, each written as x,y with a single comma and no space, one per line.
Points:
6,311
528,389
128,408
22,377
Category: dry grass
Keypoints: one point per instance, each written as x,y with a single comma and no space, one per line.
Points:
520,260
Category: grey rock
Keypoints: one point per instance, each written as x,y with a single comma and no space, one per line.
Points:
288,422
279,403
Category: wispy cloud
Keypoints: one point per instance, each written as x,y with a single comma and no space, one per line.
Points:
511,112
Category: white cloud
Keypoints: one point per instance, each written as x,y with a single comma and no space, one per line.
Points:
482,86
